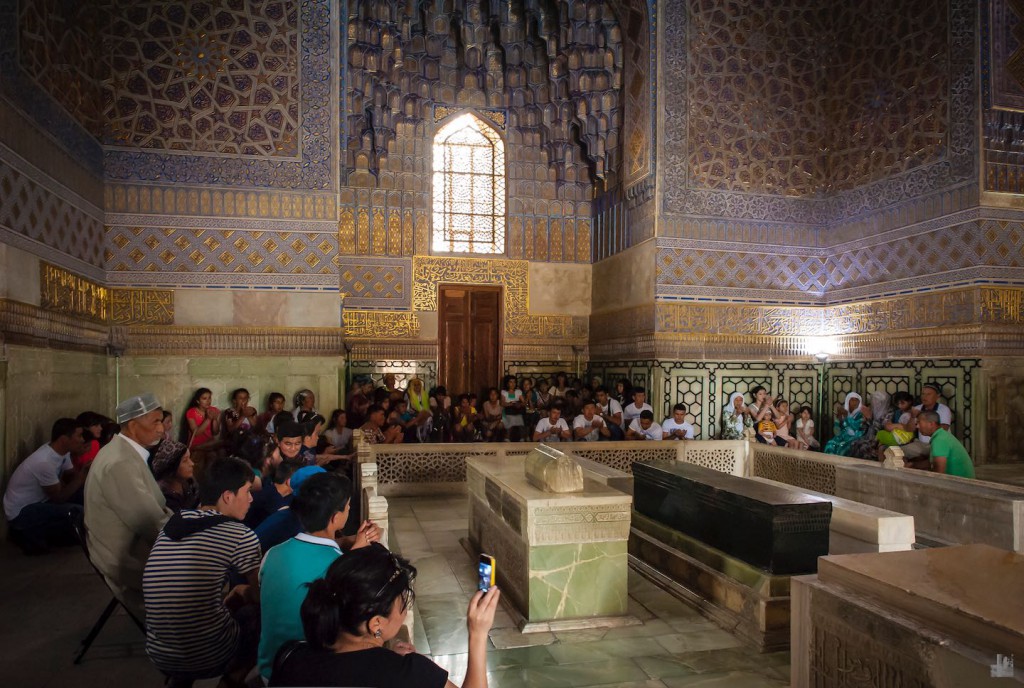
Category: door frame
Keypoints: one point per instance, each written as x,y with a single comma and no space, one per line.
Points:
500,289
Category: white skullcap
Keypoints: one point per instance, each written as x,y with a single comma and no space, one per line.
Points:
136,406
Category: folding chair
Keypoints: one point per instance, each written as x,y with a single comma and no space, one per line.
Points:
112,606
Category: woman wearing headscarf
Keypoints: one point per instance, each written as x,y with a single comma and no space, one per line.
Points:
847,426
735,418
879,413
172,467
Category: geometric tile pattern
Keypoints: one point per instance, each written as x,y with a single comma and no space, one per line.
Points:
376,283
392,225
886,109
1002,26
59,50
857,92
754,178
638,91
170,250
214,205
55,218
251,78
198,79
966,246
756,107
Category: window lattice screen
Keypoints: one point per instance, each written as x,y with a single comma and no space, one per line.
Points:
469,188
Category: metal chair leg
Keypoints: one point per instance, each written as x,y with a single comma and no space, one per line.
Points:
96,628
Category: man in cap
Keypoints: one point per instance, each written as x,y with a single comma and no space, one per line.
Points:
124,508
917,452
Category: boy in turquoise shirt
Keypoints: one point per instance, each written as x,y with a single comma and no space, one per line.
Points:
322,507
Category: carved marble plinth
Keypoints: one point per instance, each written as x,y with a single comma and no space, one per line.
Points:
561,558
779,530
741,598
856,528
946,509
551,470
932,617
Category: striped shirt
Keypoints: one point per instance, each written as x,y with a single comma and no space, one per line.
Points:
188,628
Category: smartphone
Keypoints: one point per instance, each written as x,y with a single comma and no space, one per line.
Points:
487,572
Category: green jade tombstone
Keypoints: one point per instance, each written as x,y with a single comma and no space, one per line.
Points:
561,555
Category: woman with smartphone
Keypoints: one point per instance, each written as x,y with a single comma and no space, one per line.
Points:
357,607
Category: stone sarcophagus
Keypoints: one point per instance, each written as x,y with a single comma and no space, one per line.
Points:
778,530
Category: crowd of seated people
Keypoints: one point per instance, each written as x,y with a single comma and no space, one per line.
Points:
556,409
237,564
231,545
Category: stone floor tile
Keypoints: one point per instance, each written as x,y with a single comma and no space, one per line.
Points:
611,671
508,638
651,628
581,635
710,639
458,524
573,653
731,679
663,666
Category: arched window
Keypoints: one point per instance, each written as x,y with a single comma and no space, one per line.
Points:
469,188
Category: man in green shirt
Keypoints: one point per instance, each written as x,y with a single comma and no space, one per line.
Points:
947,454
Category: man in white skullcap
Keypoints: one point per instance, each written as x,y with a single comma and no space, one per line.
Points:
124,508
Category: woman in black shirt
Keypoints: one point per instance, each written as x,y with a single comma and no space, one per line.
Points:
360,604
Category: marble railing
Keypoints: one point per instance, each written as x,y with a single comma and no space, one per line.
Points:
421,469
806,469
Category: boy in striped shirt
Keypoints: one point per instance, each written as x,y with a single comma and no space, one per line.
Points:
194,631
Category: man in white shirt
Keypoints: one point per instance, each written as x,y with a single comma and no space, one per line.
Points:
610,411
553,428
588,426
639,405
675,426
644,428
918,452
124,508
37,493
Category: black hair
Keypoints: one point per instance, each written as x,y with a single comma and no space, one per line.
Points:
64,427
374,408
237,392
283,472
322,495
195,397
463,397
638,390
357,587
753,392
505,380
441,389
274,396
646,415
600,388
110,429
87,419
223,474
249,447
311,422
335,414
679,407
166,415
901,396
779,401
289,428
560,374
811,411
380,394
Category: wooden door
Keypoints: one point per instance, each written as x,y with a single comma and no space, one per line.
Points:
469,339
